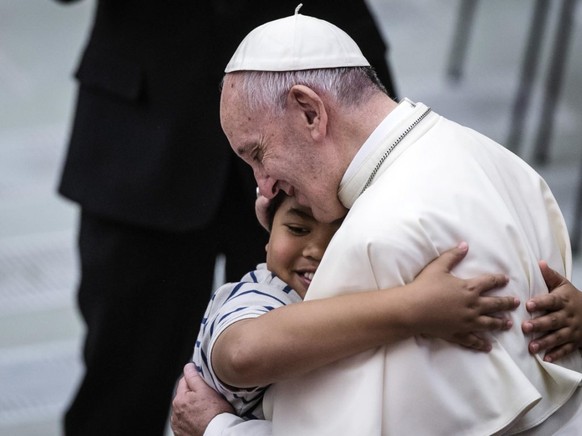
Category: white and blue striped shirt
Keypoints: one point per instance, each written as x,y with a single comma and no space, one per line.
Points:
257,293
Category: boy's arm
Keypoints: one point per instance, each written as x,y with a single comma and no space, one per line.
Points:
297,338
561,318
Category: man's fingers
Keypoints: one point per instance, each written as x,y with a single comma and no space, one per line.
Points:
191,376
196,384
182,387
190,370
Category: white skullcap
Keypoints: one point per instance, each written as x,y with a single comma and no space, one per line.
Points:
296,43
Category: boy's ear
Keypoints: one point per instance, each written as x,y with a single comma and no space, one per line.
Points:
311,109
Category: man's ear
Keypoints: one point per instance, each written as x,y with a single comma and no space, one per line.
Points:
311,108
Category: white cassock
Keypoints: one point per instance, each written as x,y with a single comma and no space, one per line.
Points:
441,183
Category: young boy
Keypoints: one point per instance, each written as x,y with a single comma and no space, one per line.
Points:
236,358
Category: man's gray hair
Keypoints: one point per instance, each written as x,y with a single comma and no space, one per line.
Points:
348,86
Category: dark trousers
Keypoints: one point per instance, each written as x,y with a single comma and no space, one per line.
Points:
142,295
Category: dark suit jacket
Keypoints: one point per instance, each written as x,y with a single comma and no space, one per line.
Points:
146,145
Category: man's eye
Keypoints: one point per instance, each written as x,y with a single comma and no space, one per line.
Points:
297,230
257,156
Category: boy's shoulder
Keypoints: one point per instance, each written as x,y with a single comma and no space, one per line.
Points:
255,283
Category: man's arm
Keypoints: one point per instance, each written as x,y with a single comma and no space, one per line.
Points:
561,318
298,338
199,410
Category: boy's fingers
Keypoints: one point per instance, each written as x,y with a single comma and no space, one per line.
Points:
551,277
544,323
487,282
498,304
451,258
549,341
547,302
559,352
475,342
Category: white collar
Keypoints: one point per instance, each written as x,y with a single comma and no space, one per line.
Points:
397,114
370,158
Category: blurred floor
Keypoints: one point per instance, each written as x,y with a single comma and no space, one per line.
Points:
40,41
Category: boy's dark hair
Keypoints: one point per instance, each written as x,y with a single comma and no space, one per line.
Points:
274,205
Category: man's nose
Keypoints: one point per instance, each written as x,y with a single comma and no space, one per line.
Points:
267,185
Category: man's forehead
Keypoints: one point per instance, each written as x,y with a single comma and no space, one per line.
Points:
229,92
231,109
230,84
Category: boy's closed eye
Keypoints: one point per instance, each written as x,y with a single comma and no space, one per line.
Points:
297,230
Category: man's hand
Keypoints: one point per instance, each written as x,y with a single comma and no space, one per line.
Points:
195,404
561,318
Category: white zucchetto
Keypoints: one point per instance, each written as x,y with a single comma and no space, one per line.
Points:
298,42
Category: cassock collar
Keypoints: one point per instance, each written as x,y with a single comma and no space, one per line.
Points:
371,158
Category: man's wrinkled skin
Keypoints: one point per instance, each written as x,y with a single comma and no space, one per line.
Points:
193,394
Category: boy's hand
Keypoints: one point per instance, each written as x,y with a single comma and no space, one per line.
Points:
460,308
561,318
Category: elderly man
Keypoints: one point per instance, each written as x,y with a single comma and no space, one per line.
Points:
303,107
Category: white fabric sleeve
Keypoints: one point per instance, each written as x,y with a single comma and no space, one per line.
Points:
227,424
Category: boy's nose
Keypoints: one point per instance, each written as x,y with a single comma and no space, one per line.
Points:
314,250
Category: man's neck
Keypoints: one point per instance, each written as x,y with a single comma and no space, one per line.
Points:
358,125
